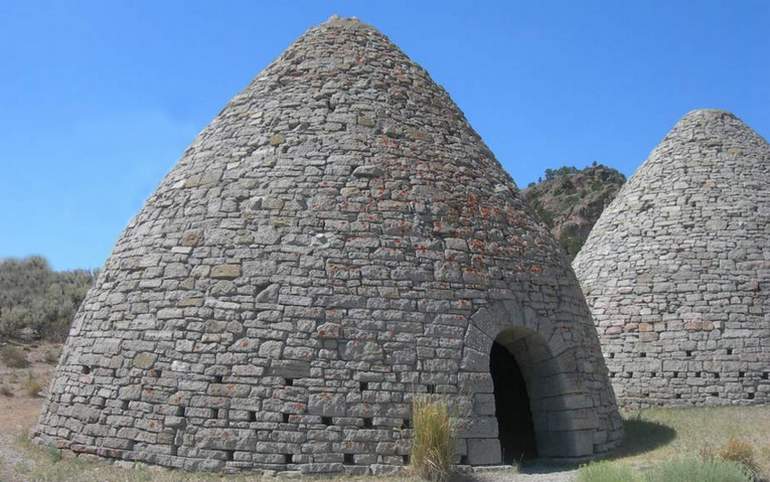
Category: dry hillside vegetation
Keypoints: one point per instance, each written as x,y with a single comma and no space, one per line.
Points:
570,201
37,302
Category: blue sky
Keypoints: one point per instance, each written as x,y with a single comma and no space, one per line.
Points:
99,99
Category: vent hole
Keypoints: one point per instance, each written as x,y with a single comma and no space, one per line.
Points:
287,458
124,405
741,374
676,374
463,460
406,459
348,459
612,355
156,372
229,454
252,416
751,396
85,369
714,394
688,352
697,374
368,422
431,388
218,378
612,374
653,374
180,411
643,355
765,375
174,450
407,424
729,351
678,396
629,374
289,382
363,386
646,395
716,375
285,418
326,421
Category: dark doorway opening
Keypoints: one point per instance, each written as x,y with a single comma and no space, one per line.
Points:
514,417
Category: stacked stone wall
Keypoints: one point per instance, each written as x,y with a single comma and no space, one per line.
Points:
335,243
677,270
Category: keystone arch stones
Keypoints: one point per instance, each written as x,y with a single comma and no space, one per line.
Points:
337,241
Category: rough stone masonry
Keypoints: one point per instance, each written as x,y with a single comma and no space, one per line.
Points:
677,269
337,241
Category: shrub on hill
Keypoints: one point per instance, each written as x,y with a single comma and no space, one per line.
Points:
37,302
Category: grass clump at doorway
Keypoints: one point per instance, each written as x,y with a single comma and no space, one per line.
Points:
433,440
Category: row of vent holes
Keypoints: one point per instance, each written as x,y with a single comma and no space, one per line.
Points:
686,352
154,372
349,459
678,396
230,455
368,423
765,375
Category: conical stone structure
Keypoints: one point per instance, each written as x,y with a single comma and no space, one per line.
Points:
336,242
677,269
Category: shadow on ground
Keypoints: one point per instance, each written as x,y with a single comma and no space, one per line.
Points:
643,436
640,436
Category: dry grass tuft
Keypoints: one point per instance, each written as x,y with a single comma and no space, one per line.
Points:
13,357
737,450
432,440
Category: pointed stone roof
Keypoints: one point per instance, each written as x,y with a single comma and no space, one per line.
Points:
337,240
677,269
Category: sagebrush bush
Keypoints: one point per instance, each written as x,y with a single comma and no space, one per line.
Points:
433,442
6,391
700,470
13,357
32,386
52,356
607,472
740,451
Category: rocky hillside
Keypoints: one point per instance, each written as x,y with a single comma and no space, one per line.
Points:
570,201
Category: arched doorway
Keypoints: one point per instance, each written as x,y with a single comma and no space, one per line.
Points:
516,429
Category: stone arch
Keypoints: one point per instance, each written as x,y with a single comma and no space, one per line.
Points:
563,417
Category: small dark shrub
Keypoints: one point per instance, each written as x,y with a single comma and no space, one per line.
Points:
13,357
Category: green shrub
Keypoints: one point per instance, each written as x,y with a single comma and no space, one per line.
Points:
694,469
432,440
606,472
13,357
